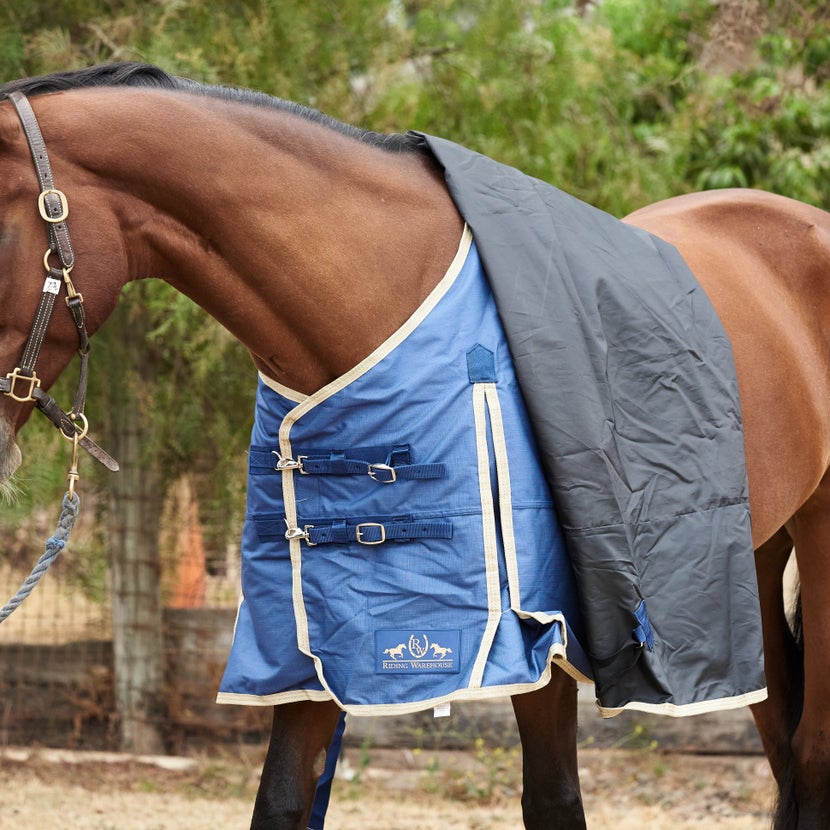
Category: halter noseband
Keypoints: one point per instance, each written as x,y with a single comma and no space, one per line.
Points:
22,384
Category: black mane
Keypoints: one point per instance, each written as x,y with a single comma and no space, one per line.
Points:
148,76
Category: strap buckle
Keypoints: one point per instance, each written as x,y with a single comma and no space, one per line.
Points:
13,377
44,210
386,469
359,529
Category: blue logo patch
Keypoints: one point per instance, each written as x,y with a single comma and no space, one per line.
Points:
402,651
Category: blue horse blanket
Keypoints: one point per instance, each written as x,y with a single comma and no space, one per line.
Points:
401,514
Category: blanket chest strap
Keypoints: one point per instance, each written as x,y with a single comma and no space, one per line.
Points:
370,532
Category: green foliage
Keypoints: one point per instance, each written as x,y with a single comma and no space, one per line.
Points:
769,135
194,398
11,52
204,376
764,125
656,31
494,775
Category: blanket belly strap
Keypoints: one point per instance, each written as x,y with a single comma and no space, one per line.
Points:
371,532
380,472
384,465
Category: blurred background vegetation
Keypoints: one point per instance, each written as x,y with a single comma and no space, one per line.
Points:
620,102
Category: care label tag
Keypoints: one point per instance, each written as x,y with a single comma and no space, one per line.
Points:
442,710
51,286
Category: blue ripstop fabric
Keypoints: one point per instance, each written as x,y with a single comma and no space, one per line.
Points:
401,621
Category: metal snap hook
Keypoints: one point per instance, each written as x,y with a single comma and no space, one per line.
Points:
73,476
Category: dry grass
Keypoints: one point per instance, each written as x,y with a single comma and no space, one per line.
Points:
388,790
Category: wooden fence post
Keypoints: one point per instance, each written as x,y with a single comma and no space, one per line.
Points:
133,524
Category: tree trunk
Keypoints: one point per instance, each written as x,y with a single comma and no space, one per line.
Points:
133,522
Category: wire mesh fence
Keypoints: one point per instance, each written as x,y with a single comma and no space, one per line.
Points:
58,664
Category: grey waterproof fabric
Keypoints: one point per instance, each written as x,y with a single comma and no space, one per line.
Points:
629,380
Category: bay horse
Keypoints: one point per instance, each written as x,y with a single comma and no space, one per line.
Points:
274,218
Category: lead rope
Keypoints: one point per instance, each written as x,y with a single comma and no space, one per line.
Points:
54,545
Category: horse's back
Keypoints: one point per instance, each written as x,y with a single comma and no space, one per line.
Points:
764,261
783,246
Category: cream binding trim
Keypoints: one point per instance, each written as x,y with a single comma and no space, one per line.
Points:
701,707
280,389
308,403
505,495
491,550
486,407
556,661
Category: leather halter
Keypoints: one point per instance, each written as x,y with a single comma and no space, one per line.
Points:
22,384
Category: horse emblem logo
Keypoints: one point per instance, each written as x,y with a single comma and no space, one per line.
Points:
401,651
395,653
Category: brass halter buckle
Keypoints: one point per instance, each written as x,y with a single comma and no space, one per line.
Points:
44,210
32,380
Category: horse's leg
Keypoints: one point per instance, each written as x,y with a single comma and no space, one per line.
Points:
300,736
782,657
810,530
547,726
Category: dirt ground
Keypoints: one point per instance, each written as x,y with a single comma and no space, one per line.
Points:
382,790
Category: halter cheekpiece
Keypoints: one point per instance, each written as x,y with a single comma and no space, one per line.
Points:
22,384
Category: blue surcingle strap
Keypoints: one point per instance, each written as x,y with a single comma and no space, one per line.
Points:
382,464
383,473
371,533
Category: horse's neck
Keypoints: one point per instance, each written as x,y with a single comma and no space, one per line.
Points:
309,246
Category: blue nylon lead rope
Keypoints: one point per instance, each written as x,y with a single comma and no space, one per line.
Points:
54,545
